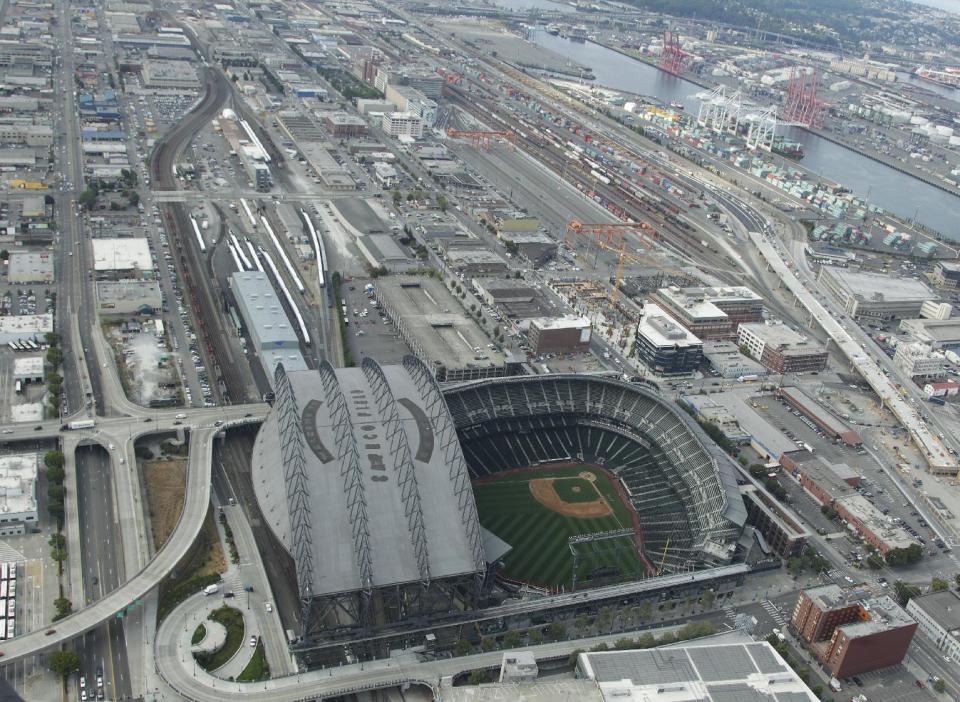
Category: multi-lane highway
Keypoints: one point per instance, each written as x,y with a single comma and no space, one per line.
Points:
103,567
204,426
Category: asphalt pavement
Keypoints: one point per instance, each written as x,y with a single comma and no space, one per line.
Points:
104,648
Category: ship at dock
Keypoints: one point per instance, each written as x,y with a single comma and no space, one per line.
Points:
949,76
787,149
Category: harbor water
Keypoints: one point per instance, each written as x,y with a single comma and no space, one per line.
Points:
888,188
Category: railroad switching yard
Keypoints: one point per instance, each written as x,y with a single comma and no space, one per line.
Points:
398,351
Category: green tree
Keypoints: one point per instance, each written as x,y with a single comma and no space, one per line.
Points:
904,556
939,685
55,510
874,561
708,599
476,677
64,608
904,592
87,198
462,647
54,356
52,338
556,631
53,459
63,663
512,640
939,584
488,643
56,492
603,618
442,203
535,636
56,475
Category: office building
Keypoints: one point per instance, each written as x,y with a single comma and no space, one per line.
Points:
874,295
665,346
781,349
728,362
402,124
344,125
919,362
563,335
938,617
946,274
710,313
850,631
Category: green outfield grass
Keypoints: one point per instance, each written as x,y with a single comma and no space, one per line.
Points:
538,535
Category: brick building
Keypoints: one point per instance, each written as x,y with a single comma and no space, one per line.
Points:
565,335
850,631
781,349
710,313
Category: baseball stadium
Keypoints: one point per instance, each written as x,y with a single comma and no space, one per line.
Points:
400,501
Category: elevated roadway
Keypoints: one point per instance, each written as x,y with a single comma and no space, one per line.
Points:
204,425
200,686
936,454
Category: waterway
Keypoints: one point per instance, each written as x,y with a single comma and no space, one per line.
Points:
948,5
536,5
886,187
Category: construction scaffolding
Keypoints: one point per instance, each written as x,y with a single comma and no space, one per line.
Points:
611,237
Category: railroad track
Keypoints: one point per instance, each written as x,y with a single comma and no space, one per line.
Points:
623,198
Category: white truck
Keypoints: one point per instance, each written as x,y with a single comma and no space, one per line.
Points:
78,424
211,589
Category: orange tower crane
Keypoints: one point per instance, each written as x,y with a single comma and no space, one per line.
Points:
612,236
482,139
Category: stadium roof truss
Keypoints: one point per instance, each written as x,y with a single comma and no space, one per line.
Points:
377,510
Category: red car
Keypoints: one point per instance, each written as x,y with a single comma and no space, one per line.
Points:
920,684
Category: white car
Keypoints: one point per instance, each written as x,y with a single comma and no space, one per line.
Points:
268,606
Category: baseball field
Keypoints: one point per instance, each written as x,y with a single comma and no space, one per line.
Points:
537,510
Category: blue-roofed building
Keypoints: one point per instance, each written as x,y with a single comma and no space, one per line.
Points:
103,135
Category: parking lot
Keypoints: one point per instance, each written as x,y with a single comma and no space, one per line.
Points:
370,332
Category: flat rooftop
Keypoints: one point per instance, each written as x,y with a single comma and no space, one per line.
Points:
18,477
660,329
121,254
692,303
262,310
743,672
780,336
880,287
433,317
123,290
885,614
873,519
942,607
736,405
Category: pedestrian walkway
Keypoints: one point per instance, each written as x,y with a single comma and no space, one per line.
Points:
774,613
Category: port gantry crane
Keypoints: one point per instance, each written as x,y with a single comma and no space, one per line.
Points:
612,236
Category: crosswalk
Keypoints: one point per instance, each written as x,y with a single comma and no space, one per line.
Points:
231,583
9,554
774,613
